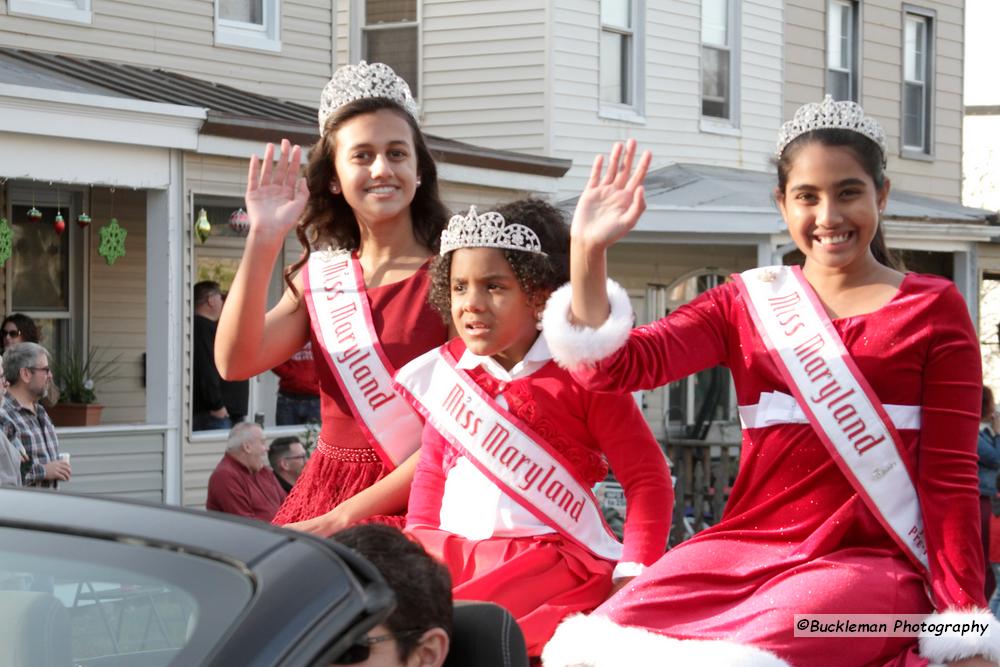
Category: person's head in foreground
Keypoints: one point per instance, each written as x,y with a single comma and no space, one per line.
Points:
418,631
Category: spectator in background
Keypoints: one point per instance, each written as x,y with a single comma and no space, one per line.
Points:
989,466
208,402
298,389
235,394
20,328
288,457
418,631
241,483
11,457
24,420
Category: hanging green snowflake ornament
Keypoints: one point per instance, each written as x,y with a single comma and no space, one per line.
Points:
6,240
112,242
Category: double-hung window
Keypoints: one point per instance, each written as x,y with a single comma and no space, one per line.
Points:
390,35
617,52
75,11
718,64
253,24
918,74
842,50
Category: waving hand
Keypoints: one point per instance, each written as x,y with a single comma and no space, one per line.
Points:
610,205
276,195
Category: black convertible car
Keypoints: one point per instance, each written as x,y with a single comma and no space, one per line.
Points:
92,582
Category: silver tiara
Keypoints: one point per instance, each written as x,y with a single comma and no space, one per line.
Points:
488,230
845,115
361,81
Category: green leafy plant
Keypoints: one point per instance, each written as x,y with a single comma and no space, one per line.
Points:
77,373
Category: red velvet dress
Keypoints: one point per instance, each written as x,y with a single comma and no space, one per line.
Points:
542,578
795,537
343,462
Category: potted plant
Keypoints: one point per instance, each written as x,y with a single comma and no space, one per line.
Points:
76,374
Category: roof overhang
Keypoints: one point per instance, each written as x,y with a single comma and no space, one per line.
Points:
699,204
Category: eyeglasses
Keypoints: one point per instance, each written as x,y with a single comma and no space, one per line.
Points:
11,333
46,370
361,649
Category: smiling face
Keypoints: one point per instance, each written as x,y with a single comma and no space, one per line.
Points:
831,206
376,165
491,312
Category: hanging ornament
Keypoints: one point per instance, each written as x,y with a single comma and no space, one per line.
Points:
59,224
202,227
83,220
34,214
6,240
112,241
239,221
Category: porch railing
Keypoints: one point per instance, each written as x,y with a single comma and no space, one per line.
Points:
704,471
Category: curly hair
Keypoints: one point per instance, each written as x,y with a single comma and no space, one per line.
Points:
328,218
537,275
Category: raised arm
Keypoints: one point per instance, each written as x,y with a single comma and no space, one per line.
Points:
608,208
250,341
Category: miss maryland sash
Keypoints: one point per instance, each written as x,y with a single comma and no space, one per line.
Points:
504,448
342,321
842,408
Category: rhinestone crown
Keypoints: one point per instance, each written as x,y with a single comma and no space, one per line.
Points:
829,114
361,81
488,230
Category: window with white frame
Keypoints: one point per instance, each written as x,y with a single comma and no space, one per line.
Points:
717,63
842,50
918,34
617,52
76,11
390,36
253,24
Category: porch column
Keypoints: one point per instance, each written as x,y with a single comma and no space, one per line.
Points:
967,281
165,318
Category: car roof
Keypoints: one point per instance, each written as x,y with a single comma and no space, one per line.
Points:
211,534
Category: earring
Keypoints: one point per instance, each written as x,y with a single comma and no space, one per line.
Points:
538,324
418,182
334,189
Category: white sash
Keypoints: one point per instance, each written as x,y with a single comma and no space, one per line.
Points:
341,318
505,449
842,408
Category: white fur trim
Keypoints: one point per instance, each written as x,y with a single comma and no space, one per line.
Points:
955,646
574,346
596,641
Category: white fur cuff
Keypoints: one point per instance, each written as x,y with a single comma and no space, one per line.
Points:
574,346
595,641
952,636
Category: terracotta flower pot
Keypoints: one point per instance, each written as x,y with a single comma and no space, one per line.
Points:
75,414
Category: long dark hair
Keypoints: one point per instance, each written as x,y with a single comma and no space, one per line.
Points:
27,326
328,218
868,154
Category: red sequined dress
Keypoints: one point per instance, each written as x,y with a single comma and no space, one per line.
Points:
343,462
795,537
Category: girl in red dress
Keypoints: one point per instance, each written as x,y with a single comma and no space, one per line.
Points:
369,216
513,445
803,532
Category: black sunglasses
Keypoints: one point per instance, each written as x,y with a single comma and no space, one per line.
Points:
361,649
11,333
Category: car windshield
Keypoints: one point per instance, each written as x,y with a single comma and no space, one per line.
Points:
72,600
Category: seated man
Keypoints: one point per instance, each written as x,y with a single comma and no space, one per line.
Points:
242,483
288,457
419,630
